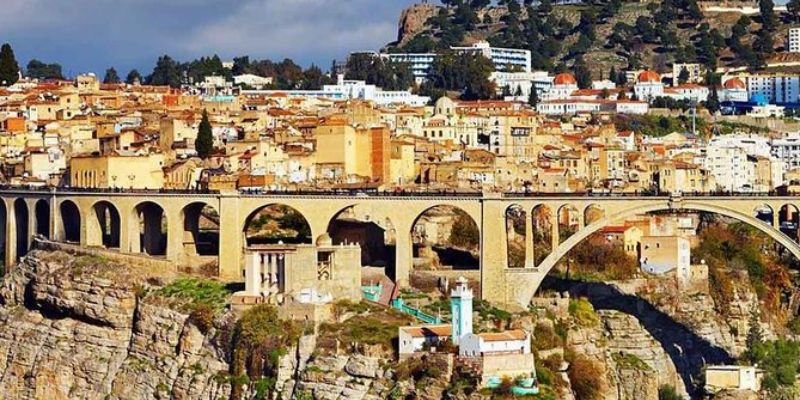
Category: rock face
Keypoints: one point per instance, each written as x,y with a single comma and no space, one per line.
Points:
67,335
412,21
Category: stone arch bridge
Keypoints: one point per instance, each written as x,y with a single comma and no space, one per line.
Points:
128,221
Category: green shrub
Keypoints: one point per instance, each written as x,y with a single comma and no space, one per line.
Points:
583,312
668,392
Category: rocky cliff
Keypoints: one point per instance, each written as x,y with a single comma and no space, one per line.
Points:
76,328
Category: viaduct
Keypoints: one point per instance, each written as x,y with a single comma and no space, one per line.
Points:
131,222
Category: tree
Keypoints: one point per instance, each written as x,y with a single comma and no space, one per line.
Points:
755,338
768,18
133,77
683,76
39,70
612,74
166,72
111,76
533,97
9,69
205,138
582,73
793,6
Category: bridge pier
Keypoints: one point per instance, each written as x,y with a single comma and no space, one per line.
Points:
231,239
175,232
11,235
530,260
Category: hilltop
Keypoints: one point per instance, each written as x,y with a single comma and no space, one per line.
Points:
623,35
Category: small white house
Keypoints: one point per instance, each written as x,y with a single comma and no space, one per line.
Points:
486,344
413,339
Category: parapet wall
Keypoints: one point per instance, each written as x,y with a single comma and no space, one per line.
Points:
143,261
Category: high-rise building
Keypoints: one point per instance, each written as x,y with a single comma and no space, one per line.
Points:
793,40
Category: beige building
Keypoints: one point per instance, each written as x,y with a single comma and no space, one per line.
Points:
733,377
312,274
676,176
117,171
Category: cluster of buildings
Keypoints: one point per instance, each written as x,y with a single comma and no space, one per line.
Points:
85,134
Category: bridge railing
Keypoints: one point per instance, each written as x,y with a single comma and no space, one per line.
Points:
371,192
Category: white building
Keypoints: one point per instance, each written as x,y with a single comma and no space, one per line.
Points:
773,89
487,344
730,167
251,80
688,91
733,377
752,144
504,59
793,40
522,80
735,90
648,86
661,254
695,72
787,149
413,339
352,89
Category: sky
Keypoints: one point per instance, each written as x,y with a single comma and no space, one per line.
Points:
92,35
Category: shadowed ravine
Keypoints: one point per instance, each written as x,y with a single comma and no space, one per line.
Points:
688,351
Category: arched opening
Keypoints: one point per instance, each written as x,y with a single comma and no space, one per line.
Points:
108,224
592,214
446,245
201,230
568,222
23,232
276,223
43,218
764,213
788,219
542,217
152,229
376,235
71,221
516,235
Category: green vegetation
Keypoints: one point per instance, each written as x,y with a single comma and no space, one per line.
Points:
205,138
464,233
372,326
545,337
487,311
467,73
583,312
280,222
9,69
728,250
377,71
596,259
586,376
202,299
630,361
111,76
39,70
258,341
668,392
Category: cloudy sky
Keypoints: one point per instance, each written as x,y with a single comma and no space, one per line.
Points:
90,35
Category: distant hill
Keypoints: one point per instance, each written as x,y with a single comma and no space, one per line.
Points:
603,34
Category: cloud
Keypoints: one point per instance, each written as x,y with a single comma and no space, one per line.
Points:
93,34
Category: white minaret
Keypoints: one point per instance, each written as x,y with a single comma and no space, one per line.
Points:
461,310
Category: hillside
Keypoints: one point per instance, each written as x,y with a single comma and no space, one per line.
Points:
623,35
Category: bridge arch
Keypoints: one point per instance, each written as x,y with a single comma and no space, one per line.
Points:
21,217
463,236
149,230
693,205
518,228
200,229
545,236
765,213
370,227
592,213
70,221
288,225
104,225
789,220
42,213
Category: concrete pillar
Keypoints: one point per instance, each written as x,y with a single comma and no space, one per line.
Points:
231,239
554,238
11,236
494,252
54,217
129,231
190,231
174,234
404,256
31,204
530,260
